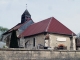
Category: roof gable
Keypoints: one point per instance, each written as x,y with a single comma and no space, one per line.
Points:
57,27
19,25
48,25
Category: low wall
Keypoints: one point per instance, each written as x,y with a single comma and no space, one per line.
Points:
24,54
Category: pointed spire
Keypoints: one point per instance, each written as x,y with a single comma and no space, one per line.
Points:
25,15
26,12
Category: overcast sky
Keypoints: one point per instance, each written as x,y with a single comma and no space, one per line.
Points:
66,11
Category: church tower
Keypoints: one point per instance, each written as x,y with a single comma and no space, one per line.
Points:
26,21
25,16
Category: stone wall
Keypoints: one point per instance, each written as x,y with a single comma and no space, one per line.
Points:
25,54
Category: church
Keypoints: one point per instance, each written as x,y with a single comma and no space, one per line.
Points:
46,34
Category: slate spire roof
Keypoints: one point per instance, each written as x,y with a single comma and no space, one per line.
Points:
26,13
25,16
50,25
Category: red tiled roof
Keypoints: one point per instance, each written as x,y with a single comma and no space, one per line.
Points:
56,27
16,27
48,25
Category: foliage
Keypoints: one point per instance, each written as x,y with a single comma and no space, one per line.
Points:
2,29
13,41
78,36
5,46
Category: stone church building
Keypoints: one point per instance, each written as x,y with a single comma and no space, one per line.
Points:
48,33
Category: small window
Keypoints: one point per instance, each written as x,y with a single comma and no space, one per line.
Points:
34,42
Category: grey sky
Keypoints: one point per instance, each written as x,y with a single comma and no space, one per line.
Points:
66,11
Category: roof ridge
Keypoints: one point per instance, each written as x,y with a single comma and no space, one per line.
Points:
39,21
48,24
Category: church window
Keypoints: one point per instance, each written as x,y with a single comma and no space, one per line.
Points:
34,42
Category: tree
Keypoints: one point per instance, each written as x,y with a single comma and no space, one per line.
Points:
78,36
2,30
13,41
